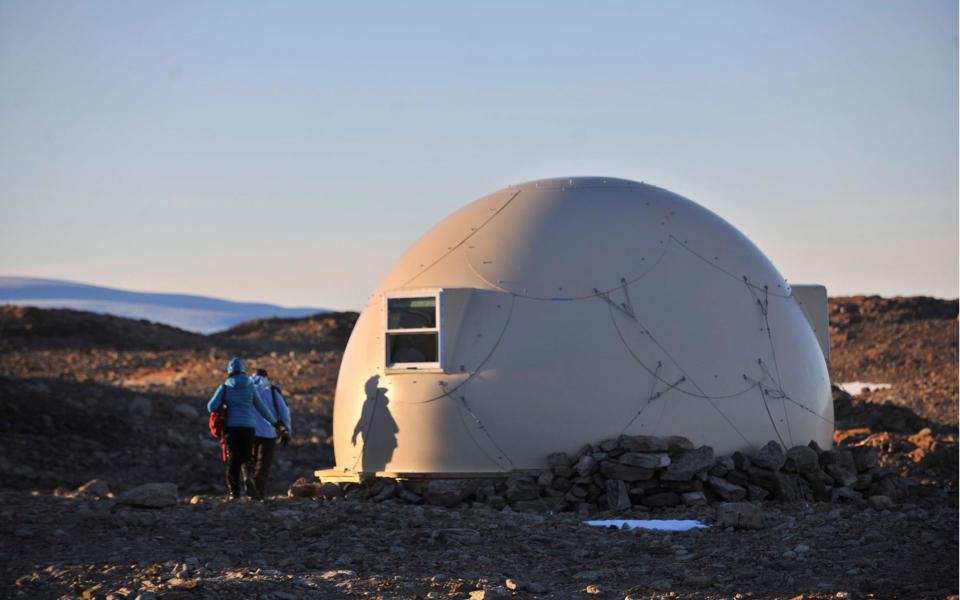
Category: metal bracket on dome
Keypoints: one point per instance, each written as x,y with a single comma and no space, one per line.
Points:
654,394
624,307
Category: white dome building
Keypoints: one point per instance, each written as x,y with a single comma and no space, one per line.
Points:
563,312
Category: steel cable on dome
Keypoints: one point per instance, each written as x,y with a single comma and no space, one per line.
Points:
476,370
486,432
702,395
461,242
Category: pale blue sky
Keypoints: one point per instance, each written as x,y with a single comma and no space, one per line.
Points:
187,146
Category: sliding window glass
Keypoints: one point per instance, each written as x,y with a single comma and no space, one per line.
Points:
413,330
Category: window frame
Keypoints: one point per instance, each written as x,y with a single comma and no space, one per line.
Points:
419,367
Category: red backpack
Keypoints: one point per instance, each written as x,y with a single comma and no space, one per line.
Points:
218,424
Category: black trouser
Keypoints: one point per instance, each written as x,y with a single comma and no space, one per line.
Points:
239,457
263,449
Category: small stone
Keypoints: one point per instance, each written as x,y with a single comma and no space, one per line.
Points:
558,459
95,487
140,408
338,574
594,589
513,584
661,585
880,502
593,574
150,495
536,588
188,412
698,581
491,593
301,488
845,493
801,548
740,515
693,499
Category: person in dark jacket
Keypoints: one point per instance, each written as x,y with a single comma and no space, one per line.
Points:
265,440
243,402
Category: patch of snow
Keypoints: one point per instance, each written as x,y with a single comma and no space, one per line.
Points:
855,388
656,524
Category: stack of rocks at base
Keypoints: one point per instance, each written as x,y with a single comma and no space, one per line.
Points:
654,472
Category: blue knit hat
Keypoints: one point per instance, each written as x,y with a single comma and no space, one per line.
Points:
235,366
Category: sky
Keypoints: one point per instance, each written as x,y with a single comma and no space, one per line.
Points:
289,152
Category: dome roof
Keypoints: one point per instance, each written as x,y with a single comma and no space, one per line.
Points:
565,311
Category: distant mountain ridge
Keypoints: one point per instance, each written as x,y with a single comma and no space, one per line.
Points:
201,314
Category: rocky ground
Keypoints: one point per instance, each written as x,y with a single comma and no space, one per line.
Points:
98,398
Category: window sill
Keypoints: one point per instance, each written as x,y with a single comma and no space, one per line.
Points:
411,370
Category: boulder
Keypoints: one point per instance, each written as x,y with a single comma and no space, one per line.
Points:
585,466
865,457
677,444
612,469
647,460
558,459
642,443
447,492
150,495
618,497
756,493
771,456
785,486
609,445
685,466
844,458
842,474
803,459
740,515
329,491
521,487
693,499
726,490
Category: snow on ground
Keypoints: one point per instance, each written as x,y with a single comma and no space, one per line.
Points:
657,524
855,388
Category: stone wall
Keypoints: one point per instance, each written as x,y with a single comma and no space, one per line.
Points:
617,474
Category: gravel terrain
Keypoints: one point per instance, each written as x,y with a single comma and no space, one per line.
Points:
121,402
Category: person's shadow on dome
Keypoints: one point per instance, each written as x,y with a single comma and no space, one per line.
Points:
377,428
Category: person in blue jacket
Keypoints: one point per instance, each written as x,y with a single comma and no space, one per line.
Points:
243,402
265,440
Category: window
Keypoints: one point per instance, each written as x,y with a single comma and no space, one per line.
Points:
413,339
